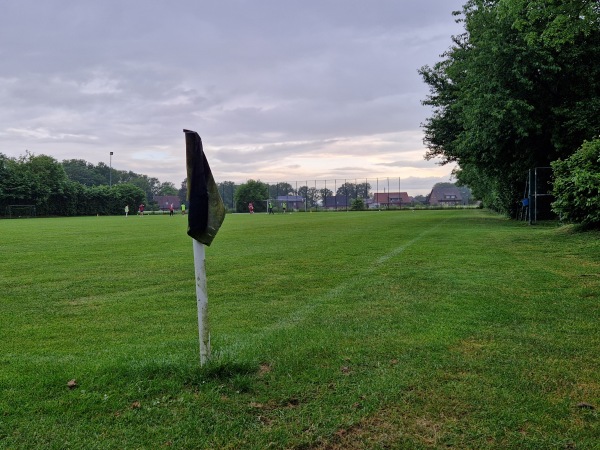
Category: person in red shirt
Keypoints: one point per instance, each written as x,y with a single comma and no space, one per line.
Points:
142,209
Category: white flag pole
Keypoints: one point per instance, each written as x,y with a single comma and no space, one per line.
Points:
202,300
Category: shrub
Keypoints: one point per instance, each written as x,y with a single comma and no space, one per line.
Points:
577,186
358,204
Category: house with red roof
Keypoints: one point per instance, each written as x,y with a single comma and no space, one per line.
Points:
389,199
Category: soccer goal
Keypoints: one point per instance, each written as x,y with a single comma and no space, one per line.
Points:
20,211
537,200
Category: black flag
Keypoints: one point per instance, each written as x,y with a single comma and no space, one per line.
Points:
206,211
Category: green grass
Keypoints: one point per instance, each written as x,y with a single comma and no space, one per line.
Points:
427,329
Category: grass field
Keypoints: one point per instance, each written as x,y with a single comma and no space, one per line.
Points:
354,330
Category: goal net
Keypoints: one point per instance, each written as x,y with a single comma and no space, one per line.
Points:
20,211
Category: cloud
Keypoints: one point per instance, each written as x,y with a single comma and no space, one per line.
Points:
295,89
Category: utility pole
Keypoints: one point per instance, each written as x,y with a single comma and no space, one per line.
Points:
110,170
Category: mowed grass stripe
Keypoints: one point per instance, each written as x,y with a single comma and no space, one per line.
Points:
313,306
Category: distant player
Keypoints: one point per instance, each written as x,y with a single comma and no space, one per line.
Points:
141,210
284,206
251,208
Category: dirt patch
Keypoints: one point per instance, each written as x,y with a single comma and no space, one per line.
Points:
388,428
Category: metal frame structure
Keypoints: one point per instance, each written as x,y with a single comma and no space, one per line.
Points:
538,196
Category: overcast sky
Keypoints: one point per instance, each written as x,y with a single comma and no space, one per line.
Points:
278,90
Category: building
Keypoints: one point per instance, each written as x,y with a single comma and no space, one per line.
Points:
336,202
445,196
389,199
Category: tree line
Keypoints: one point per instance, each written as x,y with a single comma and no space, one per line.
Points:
76,187
519,89
73,187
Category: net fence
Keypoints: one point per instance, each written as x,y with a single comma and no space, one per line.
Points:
20,211
328,195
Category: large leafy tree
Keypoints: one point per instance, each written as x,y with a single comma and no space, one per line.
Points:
33,180
150,186
518,89
126,194
251,191
47,179
167,188
83,172
14,186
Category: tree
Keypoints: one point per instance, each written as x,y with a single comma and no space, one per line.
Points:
347,190
324,193
182,192
251,191
166,188
465,193
352,190
150,186
97,201
126,194
363,190
73,187
4,173
83,172
47,179
275,190
310,194
302,191
104,171
34,180
14,185
515,91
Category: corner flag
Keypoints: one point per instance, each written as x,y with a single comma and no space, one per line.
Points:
206,210
205,216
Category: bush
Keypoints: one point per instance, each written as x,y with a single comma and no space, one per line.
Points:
577,186
358,204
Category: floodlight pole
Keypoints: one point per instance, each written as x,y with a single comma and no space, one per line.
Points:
400,192
110,170
202,300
